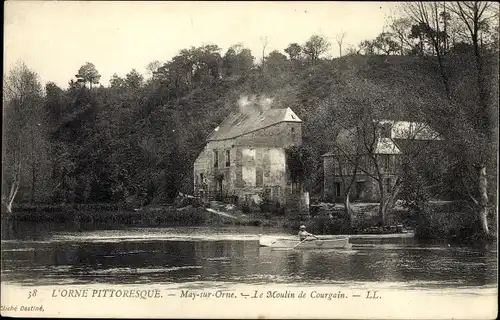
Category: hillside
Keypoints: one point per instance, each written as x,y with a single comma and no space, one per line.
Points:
135,141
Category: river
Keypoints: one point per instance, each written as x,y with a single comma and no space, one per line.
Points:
58,254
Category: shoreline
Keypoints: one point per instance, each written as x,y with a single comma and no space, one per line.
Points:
154,216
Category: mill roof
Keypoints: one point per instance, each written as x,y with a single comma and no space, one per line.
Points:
413,131
238,124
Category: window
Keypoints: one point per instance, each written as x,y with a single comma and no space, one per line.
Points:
216,159
385,130
360,187
387,184
259,177
386,161
293,130
337,189
228,158
201,178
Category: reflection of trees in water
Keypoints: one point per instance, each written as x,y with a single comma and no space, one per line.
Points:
241,261
27,230
225,259
336,265
294,261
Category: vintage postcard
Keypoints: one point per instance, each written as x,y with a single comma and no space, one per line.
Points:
284,160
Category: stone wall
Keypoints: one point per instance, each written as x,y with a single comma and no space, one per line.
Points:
370,190
257,166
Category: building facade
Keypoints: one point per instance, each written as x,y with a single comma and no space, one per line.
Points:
245,157
351,167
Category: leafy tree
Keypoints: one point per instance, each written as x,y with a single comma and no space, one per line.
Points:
367,47
298,164
237,61
116,81
88,74
352,51
315,47
385,42
134,79
152,68
294,51
276,63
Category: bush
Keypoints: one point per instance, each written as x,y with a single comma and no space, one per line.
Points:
452,221
322,225
245,208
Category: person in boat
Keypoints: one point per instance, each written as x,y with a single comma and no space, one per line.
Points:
303,234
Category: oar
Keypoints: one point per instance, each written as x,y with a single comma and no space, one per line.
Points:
305,240
299,243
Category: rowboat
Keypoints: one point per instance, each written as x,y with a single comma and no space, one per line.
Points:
309,243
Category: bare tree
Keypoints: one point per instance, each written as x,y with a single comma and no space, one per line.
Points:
340,39
426,16
472,116
401,29
22,103
476,15
346,164
264,45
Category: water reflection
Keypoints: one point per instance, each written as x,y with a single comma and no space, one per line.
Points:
199,254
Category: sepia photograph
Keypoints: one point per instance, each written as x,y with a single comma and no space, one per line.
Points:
250,160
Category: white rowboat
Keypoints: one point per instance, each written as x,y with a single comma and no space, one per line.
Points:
309,243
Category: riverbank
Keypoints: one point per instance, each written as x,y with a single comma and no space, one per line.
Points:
147,216
443,220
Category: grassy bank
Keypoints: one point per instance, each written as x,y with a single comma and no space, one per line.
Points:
452,221
108,214
148,216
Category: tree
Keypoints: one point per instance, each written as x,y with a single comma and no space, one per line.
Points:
276,63
116,81
134,79
400,27
88,74
22,116
294,50
476,16
237,61
347,164
467,120
351,51
361,146
367,47
264,45
340,39
298,164
152,68
315,47
384,42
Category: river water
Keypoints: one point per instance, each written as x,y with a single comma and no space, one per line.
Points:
54,254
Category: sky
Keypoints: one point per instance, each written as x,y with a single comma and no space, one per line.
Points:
55,38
